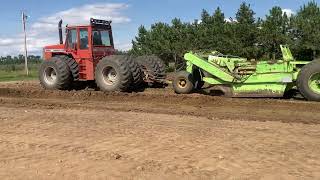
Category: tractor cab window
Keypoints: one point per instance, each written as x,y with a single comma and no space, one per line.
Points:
72,39
84,41
101,38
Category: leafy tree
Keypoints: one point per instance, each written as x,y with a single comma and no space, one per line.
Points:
140,44
246,36
307,24
246,31
211,32
274,31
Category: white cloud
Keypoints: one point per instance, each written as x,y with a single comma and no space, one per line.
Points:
125,46
289,12
45,30
230,20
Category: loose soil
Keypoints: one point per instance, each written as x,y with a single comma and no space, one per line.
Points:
154,134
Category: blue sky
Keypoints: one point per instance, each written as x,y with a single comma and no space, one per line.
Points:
127,15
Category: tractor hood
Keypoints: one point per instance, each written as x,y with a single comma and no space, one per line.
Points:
48,51
54,48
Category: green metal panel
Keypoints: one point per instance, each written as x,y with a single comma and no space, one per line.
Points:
259,90
299,62
269,78
266,67
257,78
210,68
286,53
214,81
295,75
189,67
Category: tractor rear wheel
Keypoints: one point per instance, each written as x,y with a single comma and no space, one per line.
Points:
308,81
161,65
153,74
149,68
55,74
113,74
183,83
136,72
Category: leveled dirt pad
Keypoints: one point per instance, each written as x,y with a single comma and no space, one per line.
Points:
154,135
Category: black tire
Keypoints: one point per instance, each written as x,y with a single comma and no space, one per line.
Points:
73,66
113,74
149,68
54,74
153,70
307,72
183,83
136,72
161,65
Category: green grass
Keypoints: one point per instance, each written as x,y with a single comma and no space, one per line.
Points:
18,75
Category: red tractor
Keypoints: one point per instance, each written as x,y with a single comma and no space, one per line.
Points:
88,56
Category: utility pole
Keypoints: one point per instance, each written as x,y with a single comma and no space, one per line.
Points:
24,19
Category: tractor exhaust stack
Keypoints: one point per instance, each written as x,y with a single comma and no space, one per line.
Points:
60,31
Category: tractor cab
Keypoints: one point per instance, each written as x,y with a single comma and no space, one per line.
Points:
85,44
94,41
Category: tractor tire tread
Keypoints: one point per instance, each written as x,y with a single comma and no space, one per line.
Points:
136,72
303,80
189,83
63,73
73,65
152,64
119,63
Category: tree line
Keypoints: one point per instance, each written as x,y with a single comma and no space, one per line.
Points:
8,60
246,35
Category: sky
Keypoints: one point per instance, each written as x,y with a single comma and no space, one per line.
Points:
127,16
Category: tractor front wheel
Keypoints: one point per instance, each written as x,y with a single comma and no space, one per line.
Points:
55,74
183,83
113,74
308,81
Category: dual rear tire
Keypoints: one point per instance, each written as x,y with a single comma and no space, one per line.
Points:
125,73
113,73
153,70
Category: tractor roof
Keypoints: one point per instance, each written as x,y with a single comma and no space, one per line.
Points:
95,23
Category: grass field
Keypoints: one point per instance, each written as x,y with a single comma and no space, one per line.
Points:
17,75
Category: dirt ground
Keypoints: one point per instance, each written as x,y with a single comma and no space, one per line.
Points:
154,134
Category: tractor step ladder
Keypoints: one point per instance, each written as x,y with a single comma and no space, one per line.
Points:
82,69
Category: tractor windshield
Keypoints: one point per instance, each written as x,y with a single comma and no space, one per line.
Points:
101,38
